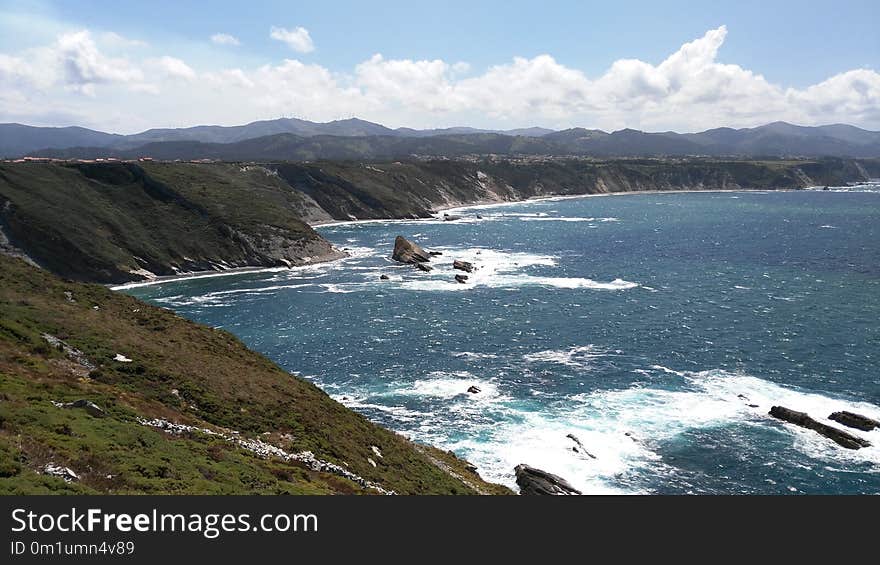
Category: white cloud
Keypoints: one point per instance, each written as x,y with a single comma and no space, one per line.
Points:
690,90
85,66
229,77
225,39
297,39
173,68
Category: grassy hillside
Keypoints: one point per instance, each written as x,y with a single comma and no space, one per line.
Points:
106,222
181,372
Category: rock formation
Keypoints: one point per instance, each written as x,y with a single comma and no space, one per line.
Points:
853,420
580,446
463,266
424,267
803,420
532,481
408,252
90,407
462,279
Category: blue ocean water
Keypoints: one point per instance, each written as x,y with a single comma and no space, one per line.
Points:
657,329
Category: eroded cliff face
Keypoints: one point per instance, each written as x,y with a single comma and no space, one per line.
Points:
348,191
115,222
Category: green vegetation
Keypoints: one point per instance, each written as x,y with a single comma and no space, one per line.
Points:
101,222
182,372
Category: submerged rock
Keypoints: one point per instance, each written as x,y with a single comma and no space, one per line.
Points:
406,251
582,449
462,279
532,481
803,420
853,420
424,267
463,266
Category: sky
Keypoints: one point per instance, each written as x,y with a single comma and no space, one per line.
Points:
674,65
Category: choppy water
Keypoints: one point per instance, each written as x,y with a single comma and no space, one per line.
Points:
658,329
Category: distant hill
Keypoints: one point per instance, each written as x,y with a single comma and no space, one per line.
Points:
17,139
293,139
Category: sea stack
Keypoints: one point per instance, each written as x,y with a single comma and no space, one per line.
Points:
408,252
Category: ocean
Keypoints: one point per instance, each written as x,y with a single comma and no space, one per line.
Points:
656,329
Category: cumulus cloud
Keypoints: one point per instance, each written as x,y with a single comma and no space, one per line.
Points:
297,39
85,66
173,68
690,90
225,39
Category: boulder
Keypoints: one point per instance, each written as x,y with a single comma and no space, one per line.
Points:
853,420
424,267
90,407
463,266
434,253
532,481
802,419
448,218
384,277
473,389
462,279
65,473
406,251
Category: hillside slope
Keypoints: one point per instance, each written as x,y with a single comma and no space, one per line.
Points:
143,367
117,222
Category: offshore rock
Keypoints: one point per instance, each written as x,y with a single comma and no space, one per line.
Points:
462,279
424,267
802,419
532,481
578,443
853,420
408,252
473,389
463,266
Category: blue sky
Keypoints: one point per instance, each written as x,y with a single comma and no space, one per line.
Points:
791,46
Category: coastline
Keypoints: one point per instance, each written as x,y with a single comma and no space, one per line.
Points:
450,207
224,273
480,204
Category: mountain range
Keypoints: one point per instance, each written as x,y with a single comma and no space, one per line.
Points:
301,140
